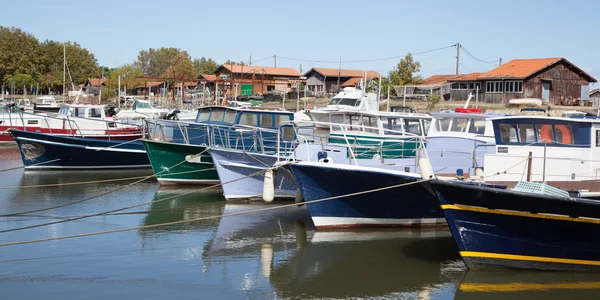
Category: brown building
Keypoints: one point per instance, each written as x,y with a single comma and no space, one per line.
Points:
554,80
152,87
94,85
254,80
323,80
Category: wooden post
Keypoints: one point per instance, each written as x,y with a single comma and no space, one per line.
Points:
529,160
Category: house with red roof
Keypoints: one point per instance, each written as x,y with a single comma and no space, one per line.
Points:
554,80
323,80
255,80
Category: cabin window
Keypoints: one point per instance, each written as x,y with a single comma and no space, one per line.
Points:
95,113
443,124
544,133
391,126
217,115
32,122
477,126
354,122
494,87
508,133
564,134
370,124
412,126
513,87
334,101
460,125
203,115
527,133
79,112
230,116
249,119
281,118
597,137
426,124
287,133
336,119
266,120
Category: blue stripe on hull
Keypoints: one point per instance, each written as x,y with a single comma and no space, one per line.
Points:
391,207
41,151
508,238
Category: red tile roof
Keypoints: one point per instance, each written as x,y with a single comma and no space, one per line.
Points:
351,82
344,73
150,84
262,70
439,79
187,83
468,77
520,68
208,77
96,81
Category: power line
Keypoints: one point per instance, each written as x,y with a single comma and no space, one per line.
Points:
475,58
364,60
255,61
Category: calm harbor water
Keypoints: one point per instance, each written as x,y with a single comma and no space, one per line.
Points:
266,255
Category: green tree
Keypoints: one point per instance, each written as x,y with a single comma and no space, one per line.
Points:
81,64
20,52
181,66
129,77
154,62
231,62
205,65
20,80
405,72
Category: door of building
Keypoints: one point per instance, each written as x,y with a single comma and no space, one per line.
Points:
546,92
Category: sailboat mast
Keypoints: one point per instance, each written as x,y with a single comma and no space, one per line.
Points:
64,70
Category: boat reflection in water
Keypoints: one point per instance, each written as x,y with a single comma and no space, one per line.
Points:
528,285
367,263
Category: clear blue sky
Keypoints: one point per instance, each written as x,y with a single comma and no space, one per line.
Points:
115,31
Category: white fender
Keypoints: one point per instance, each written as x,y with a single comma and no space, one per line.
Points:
426,169
269,186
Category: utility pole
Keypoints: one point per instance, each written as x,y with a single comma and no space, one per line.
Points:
250,62
340,74
457,57
275,61
500,62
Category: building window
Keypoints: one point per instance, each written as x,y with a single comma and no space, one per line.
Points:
459,86
494,87
270,88
474,85
513,87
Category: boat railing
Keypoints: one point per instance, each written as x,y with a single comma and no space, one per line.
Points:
246,138
305,133
70,123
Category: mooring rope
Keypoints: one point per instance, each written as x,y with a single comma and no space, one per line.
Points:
121,209
95,196
36,164
208,217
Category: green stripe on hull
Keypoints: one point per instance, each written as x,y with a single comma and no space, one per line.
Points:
365,147
169,163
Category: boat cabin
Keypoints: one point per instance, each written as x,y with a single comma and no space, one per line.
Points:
379,124
470,121
135,104
220,115
89,111
549,131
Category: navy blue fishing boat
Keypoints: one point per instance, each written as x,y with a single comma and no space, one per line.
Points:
500,228
41,151
410,205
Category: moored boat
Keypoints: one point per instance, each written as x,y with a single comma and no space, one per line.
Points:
350,100
534,226
41,151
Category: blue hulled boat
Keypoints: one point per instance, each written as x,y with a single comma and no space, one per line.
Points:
412,205
44,151
500,228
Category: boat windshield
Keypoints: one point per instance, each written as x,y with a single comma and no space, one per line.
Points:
345,101
141,104
461,124
546,132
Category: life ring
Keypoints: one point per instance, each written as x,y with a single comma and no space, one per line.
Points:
566,134
546,133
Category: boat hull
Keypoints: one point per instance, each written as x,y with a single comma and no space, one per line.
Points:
114,134
170,165
411,205
504,229
48,152
242,174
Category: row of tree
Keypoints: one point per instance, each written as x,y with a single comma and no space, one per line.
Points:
24,60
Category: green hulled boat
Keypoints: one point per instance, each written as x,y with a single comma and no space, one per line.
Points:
385,135
181,163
